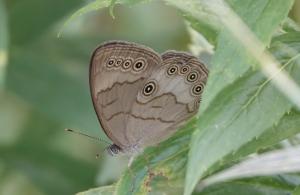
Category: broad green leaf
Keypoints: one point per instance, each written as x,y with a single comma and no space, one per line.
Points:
287,127
104,190
231,59
3,42
243,111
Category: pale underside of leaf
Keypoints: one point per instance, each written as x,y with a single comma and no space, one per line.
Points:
271,163
104,190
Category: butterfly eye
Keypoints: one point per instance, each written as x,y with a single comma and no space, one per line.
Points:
149,88
139,65
184,69
110,62
127,64
118,62
193,76
197,90
172,70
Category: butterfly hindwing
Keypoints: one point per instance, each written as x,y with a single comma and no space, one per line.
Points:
170,96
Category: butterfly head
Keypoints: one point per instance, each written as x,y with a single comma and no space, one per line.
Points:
113,149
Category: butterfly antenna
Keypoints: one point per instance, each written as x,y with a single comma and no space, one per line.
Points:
91,137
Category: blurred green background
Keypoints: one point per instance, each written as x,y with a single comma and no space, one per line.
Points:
44,89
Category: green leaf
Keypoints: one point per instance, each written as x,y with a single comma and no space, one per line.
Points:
231,59
3,42
243,111
282,184
238,188
287,127
269,163
161,166
281,181
104,190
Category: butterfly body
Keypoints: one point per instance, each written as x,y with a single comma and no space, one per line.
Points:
140,97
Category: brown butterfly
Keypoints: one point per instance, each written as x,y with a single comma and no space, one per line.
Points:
141,98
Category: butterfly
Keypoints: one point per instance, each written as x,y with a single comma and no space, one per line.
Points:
141,97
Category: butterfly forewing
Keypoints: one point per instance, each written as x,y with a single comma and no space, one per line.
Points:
117,72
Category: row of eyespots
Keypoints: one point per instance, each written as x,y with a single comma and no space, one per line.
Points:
126,64
151,86
192,75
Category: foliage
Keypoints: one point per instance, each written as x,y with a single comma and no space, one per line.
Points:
242,113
